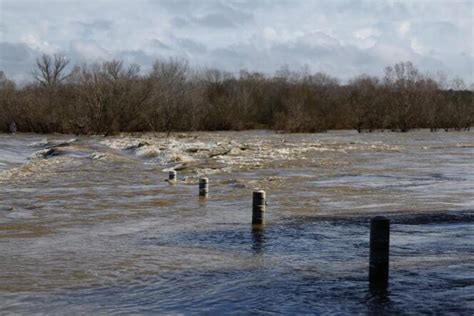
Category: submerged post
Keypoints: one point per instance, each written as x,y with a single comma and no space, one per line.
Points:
203,187
172,176
258,207
13,128
379,253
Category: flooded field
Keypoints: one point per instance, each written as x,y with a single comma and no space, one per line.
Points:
89,224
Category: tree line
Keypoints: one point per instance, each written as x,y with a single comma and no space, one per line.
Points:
111,97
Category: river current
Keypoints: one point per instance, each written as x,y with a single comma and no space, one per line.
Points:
90,225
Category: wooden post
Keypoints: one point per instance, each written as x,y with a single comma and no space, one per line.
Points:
203,187
258,207
379,253
172,176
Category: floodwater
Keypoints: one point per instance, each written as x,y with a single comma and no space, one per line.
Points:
89,225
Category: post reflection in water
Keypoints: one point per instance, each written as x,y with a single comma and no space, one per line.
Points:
379,303
258,238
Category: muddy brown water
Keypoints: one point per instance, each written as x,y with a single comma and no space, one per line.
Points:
88,224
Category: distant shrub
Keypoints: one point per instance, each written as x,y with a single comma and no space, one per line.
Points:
110,97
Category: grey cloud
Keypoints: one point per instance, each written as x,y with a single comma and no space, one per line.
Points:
233,12
159,44
85,50
218,14
90,29
14,53
137,57
17,60
176,6
336,60
439,36
101,25
385,8
343,37
318,50
191,46
461,65
231,58
238,10
180,22
230,53
215,20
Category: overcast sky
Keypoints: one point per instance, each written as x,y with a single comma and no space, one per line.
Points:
343,38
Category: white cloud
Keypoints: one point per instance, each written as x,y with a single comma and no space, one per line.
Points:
404,28
35,42
417,47
343,37
89,51
365,33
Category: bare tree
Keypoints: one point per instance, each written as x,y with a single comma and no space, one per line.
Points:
402,82
7,99
50,70
111,97
460,104
365,101
169,84
5,83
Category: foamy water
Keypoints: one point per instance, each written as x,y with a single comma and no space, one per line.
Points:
90,225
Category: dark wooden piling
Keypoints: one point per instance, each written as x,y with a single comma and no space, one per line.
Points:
172,176
258,207
203,187
379,253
